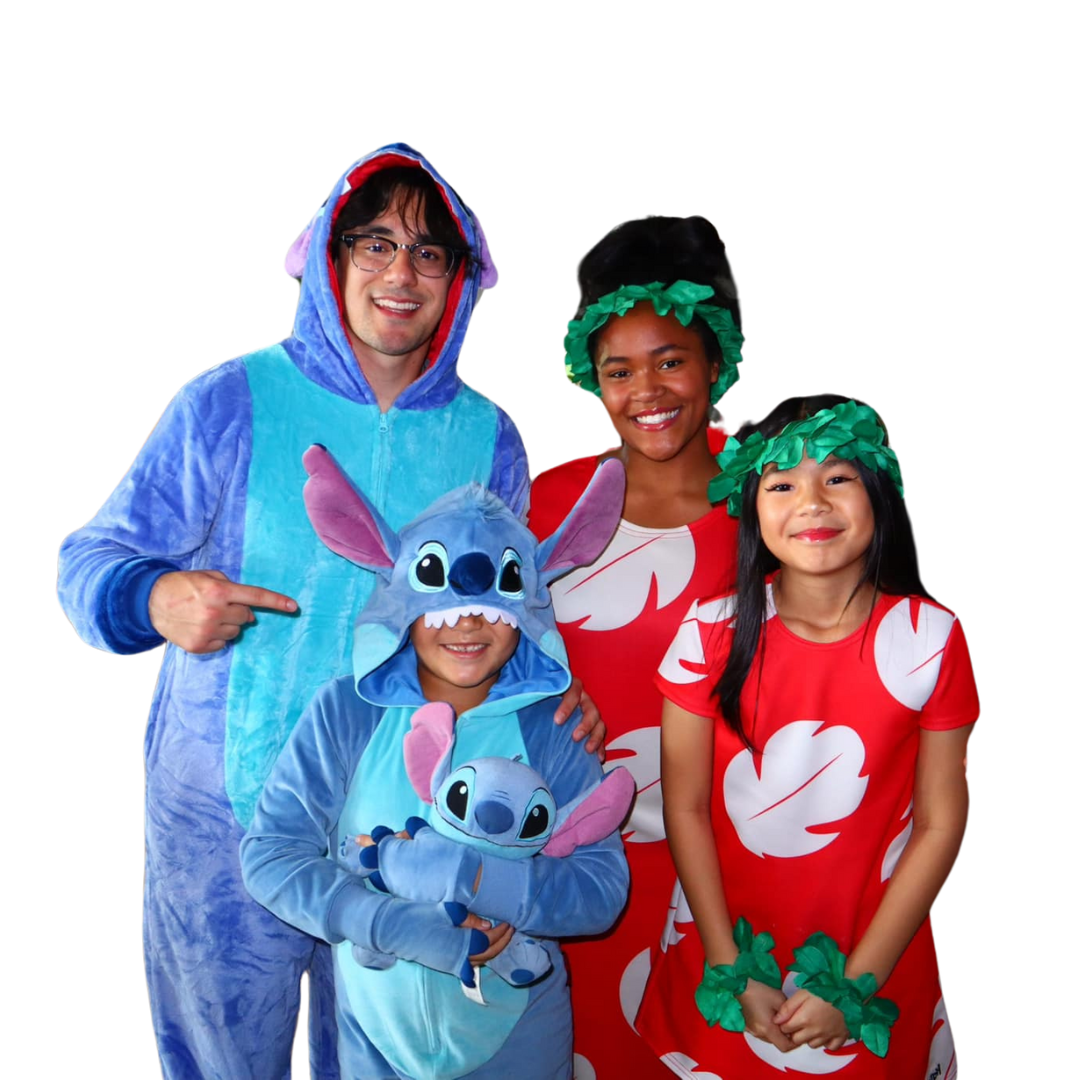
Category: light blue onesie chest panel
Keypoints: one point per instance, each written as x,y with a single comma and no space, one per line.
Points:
413,1015
270,685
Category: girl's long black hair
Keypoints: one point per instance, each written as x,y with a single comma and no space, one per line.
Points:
891,564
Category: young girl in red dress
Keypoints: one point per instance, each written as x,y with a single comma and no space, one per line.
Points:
813,751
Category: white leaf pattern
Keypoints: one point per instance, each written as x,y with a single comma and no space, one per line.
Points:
632,985
687,648
613,591
942,1063
646,822
683,1065
803,1059
809,777
908,653
899,842
678,912
583,1068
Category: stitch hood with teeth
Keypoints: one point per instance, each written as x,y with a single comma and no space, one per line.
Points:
467,554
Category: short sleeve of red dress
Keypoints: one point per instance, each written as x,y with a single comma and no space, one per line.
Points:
810,825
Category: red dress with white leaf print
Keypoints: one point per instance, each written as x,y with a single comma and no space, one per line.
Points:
809,830
618,617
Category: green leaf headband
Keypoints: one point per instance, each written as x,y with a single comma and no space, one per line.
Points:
684,298
848,431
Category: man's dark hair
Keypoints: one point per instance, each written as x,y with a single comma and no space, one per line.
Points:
423,208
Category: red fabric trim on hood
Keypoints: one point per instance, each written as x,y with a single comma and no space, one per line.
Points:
357,178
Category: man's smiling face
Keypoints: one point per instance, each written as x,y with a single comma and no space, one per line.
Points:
393,312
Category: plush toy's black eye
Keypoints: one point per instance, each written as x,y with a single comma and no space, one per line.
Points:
535,823
457,799
510,580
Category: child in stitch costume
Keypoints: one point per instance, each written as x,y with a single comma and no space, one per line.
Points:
461,610
813,750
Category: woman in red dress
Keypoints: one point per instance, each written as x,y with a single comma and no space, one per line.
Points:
657,337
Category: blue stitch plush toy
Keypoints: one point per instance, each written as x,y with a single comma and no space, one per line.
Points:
499,805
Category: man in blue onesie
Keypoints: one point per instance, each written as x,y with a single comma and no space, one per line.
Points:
209,522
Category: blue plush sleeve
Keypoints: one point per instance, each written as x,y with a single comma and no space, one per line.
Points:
582,893
161,514
510,467
284,859
283,855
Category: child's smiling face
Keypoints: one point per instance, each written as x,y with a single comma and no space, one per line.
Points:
460,664
816,517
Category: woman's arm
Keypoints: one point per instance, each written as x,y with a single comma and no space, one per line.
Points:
939,816
686,776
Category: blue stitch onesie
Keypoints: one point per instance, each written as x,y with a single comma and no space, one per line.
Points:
343,772
218,486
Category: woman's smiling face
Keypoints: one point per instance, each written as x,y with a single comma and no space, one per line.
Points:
655,378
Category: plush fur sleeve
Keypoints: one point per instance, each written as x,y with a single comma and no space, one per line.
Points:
510,467
161,514
283,855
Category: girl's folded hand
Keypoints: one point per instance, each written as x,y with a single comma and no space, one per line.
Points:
809,1019
760,1004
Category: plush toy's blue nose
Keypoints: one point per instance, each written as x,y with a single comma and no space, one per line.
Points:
472,574
494,817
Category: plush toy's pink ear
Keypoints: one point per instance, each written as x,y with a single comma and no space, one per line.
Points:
588,527
595,816
428,745
344,519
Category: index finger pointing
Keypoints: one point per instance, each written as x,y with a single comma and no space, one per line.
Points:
255,596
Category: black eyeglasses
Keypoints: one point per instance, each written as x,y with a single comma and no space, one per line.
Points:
374,253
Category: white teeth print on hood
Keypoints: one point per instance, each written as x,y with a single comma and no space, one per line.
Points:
319,330
435,620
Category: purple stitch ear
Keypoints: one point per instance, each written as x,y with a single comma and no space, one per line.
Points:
598,815
296,256
427,745
344,519
588,527
488,274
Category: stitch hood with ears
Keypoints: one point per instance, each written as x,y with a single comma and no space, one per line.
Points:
466,554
